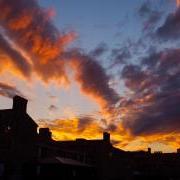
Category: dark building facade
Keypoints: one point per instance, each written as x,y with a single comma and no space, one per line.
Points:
27,154
18,133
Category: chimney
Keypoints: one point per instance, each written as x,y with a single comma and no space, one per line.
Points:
45,134
106,137
19,104
149,150
178,150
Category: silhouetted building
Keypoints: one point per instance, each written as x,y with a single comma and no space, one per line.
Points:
98,153
32,155
18,134
45,134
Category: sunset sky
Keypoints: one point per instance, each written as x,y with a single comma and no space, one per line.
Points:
88,66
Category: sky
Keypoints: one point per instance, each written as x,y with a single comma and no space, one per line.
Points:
93,66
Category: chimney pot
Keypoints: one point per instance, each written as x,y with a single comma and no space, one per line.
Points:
45,134
149,150
20,104
106,137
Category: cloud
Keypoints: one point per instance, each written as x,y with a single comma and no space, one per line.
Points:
34,45
85,127
155,87
144,9
84,122
120,56
93,79
29,27
16,58
177,3
133,77
52,108
99,50
170,30
69,129
9,91
150,17
77,127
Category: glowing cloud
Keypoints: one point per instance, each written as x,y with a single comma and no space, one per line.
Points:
178,3
8,90
31,44
45,45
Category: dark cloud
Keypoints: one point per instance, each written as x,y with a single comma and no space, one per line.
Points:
160,116
134,77
127,52
155,83
17,59
144,9
93,79
111,127
150,16
53,108
9,91
170,30
84,122
99,50
120,56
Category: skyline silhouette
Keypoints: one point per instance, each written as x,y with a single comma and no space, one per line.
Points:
96,66
27,152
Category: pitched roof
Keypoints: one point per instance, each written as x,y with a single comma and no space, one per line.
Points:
7,116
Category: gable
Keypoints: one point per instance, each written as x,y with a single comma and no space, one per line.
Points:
9,118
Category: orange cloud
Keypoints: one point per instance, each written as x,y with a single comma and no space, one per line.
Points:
29,27
20,22
93,81
69,129
50,12
178,3
8,90
85,127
